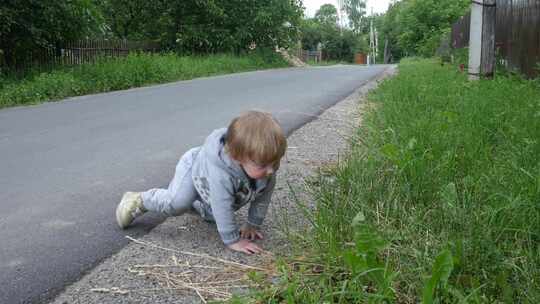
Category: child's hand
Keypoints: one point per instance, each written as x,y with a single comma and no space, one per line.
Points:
245,246
249,232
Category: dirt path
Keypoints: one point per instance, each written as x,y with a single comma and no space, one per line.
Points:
173,255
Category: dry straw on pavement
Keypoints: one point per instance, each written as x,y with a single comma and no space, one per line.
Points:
210,278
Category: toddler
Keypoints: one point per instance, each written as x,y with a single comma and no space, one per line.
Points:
234,167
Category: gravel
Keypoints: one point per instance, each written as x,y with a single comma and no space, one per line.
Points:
319,143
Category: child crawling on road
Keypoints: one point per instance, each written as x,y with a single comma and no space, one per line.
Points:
234,167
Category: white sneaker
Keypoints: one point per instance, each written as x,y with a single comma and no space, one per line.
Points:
130,207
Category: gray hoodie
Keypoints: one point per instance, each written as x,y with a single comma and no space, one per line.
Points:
224,187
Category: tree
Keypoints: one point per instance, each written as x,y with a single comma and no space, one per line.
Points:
133,19
356,10
344,46
206,26
415,27
327,15
311,34
337,43
326,18
35,24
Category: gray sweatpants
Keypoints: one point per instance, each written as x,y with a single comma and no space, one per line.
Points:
181,195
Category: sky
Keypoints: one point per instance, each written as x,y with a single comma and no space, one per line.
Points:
379,6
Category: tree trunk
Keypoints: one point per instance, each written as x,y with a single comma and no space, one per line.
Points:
9,58
386,59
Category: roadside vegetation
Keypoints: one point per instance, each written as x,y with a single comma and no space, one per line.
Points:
134,70
437,203
417,27
188,34
408,28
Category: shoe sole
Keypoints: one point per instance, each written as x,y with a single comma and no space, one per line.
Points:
121,206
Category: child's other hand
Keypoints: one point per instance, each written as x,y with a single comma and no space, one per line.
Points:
249,232
245,246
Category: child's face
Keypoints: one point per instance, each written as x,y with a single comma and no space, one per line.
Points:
256,171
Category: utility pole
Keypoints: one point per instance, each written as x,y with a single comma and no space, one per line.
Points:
482,39
372,41
376,45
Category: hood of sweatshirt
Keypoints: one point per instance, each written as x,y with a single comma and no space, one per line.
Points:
214,150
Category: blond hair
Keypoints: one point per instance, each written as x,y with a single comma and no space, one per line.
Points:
256,136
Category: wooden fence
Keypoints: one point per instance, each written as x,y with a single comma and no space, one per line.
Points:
75,53
461,32
306,55
517,34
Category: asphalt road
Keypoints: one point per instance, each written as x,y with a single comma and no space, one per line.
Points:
65,165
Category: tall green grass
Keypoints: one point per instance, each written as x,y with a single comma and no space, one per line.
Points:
132,71
439,201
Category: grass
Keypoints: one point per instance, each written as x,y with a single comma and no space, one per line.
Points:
134,70
439,201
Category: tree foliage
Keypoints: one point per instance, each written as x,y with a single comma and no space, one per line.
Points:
133,19
411,27
356,10
311,34
201,26
327,15
28,25
415,27
336,43
206,26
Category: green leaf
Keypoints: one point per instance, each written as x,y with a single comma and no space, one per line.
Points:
449,194
391,151
442,268
412,143
368,241
358,219
355,262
